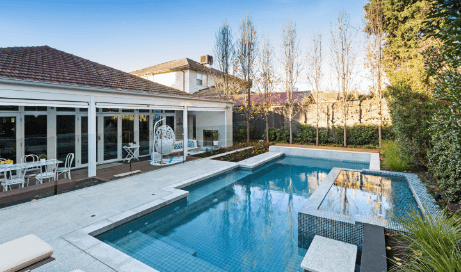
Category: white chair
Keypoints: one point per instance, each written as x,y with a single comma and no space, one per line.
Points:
31,171
67,166
13,175
47,171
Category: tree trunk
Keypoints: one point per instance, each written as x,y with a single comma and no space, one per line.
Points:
380,123
248,114
267,127
345,121
317,128
291,129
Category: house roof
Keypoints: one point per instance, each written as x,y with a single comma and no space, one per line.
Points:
46,64
174,65
258,99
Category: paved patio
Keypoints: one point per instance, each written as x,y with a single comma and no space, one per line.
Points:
53,217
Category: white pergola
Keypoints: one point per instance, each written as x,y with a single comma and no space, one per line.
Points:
30,93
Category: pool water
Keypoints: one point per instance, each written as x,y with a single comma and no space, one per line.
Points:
239,221
354,193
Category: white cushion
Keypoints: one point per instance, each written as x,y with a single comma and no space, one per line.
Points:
22,252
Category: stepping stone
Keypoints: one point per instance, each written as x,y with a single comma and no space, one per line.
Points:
373,249
328,255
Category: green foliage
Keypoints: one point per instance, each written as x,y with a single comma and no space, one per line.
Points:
281,135
361,134
392,157
431,242
308,134
411,113
240,134
369,147
445,155
444,23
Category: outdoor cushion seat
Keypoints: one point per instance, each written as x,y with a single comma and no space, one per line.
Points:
22,252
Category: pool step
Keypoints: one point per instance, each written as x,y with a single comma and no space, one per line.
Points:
373,249
172,243
160,255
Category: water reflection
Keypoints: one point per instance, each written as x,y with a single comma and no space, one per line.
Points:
373,196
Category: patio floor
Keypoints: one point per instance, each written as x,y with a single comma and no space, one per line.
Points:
53,217
104,173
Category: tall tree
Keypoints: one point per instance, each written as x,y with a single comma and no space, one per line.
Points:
343,61
246,61
374,62
291,62
267,79
224,57
408,94
314,74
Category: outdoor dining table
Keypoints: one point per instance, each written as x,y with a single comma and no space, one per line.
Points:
28,165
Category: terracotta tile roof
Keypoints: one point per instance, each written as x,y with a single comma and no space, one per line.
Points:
174,65
46,64
257,99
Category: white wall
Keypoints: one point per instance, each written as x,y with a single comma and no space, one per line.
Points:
213,120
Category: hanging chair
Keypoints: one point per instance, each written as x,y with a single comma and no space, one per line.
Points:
164,140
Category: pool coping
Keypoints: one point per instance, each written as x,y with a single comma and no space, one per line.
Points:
85,240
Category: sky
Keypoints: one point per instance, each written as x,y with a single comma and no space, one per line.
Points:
131,35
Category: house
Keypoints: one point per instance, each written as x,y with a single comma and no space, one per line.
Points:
55,103
185,74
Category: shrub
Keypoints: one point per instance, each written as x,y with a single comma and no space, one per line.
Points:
392,158
369,147
361,134
445,155
283,135
432,242
240,134
308,134
411,113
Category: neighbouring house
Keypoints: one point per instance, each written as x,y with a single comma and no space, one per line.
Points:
55,103
185,74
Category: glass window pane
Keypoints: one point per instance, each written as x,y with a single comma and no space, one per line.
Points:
9,108
35,108
8,138
65,136
127,110
64,109
84,131
143,110
127,131
143,135
35,135
110,110
110,138
83,110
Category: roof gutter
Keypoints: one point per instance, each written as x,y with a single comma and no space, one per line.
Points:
104,90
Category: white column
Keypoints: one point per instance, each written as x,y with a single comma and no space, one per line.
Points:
136,129
51,133
92,138
185,131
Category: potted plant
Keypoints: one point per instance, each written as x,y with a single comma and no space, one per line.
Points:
42,158
215,137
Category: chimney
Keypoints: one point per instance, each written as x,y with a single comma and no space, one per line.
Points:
206,60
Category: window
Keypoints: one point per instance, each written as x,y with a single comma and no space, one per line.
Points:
65,109
9,108
27,108
200,79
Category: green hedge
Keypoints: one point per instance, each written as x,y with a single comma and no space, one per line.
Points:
361,134
307,134
281,135
240,134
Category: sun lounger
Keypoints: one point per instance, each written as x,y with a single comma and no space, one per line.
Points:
23,252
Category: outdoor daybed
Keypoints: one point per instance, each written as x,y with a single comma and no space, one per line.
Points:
23,252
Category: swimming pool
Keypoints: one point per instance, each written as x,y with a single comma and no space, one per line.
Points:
242,220
380,197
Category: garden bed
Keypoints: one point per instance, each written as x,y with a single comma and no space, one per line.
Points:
258,148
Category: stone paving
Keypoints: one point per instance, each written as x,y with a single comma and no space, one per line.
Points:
54,217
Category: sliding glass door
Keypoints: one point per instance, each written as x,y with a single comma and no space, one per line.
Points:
110,138
143,135
65,136
35,134
8,138
127,132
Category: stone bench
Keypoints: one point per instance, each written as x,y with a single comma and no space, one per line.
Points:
325,255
